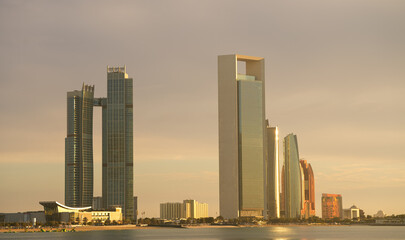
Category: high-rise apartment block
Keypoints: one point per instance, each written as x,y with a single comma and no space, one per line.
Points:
117,152
332,206
242,139
308,187
292,179
186,209
79,148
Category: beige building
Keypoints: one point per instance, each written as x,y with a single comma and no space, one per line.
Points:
351,213
187,209
57,212
242,136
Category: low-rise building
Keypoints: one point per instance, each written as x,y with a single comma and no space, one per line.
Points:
57,212
32,217
351,213
380,214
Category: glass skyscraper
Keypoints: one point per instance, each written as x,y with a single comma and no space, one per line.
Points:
273,193
79,148
242,136
292,179
117,186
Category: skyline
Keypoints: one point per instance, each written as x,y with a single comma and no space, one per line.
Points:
336,82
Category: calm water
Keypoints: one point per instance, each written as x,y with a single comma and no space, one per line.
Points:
279,233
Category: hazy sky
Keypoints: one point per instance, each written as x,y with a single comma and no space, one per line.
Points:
335,76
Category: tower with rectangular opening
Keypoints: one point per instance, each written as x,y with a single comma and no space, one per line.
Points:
242,136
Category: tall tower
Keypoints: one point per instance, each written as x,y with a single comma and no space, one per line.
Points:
293,178
308,187
272,186
242,137
79,148
118,142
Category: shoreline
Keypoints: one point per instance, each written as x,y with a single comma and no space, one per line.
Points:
133,227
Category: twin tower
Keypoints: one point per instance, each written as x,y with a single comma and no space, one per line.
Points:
117,144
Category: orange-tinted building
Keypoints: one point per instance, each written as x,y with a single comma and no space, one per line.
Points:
332,206
308,186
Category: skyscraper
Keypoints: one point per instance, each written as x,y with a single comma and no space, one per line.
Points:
242,138
273,193
79,148
308,186
332,206
117,187
292,178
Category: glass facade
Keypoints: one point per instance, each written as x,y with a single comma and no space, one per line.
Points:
250,131
79,148
272,189
118,142
293,175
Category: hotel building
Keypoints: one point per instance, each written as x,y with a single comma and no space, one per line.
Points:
308,187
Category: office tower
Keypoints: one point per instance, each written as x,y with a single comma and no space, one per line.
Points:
273,193
97,203
293,178
118,142
242,138
331,206
79,148
308,187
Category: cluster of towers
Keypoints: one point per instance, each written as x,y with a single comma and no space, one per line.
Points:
117,144
249,182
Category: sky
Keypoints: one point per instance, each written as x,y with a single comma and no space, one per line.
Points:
335,76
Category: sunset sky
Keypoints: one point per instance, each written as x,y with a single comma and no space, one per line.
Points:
335,76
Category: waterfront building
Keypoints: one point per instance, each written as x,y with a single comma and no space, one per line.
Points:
351,213
97,203
32,217
242,138
79,148
272,185
292,179
308,187
117,156
331,206
57,212
380,214
186,209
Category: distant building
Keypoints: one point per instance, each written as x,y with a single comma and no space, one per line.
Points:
136,209
292,179
79,148
308,187
351,213
32,217
380,214
56,212
98,203
242,128
332,206
187,209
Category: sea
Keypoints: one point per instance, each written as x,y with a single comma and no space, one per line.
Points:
276,232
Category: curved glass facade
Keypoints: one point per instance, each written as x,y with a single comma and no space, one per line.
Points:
292,178
79,148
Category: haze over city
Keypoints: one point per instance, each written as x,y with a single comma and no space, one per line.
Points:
334,77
